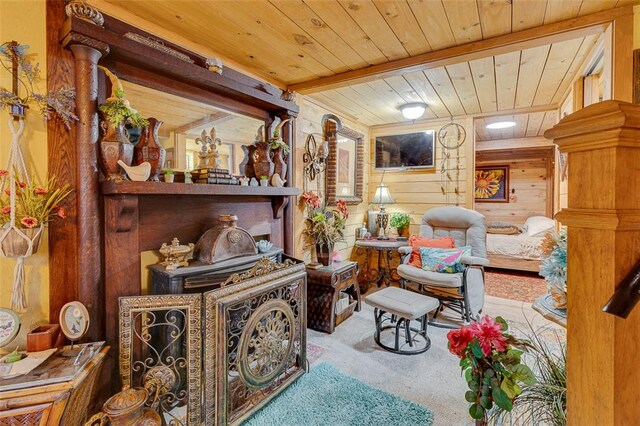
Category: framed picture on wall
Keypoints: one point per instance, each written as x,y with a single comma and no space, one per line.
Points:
492,184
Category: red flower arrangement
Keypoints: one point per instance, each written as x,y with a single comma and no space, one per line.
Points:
491,364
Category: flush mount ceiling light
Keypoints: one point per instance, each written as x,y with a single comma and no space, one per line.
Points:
501,125
414,110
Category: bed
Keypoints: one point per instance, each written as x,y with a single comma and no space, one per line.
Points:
522,250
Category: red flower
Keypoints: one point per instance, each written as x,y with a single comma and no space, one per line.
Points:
489,334
40,191
6,210
22,184
342,208
29,222
62,213
311,199
459,339
7,191
4,172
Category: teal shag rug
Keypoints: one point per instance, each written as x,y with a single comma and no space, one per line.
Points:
328,396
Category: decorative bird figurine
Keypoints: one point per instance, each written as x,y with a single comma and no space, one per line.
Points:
138,173
276,181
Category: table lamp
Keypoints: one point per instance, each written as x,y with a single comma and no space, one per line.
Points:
382,197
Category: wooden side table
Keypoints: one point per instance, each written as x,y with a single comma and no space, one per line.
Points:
323,290
383,274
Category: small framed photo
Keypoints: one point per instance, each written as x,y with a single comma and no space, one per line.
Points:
492,184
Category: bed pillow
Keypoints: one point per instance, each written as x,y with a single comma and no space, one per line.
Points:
417,242
502,228
537,226
447,261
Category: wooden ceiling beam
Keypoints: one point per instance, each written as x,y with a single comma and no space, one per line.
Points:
204,121
580,26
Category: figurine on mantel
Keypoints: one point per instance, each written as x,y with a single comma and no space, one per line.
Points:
209,155
277,181
244,181
176,255
139,173
254,182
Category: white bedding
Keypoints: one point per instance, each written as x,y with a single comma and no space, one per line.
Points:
520,246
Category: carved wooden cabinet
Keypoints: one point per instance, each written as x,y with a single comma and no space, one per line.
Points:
323,291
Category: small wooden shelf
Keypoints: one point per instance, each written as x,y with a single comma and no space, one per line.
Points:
165,188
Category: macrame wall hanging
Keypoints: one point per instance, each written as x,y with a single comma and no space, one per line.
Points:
25,207
451,138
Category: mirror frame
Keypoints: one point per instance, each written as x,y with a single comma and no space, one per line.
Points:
331,133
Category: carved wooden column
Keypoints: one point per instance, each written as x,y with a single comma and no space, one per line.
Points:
288,133
83,247
603,219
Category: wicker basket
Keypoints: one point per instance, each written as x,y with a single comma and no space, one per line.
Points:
15,245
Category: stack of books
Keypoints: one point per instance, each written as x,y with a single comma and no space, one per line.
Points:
216,176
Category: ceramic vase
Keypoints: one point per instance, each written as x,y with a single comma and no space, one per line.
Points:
280,165
246,166
149,149
114,146
262,164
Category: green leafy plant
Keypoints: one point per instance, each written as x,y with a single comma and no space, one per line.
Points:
545,401
491,364
57,101
263,177
168,171
116,108
400,220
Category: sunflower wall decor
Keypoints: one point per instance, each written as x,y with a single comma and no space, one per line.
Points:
492,184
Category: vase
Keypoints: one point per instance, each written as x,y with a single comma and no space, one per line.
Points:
15,245
126,408
149,149
323,253
246,166
114,146
262,164
403,232
280,165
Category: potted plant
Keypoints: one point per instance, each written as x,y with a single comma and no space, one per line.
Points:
264,180
168,175
554,266
323,227
117,113
400,221
491,363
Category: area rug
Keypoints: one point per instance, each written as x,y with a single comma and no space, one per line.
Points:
328,396
514,285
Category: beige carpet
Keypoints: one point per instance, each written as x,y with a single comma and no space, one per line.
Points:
431,379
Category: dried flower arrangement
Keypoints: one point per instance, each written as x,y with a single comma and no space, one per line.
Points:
323,226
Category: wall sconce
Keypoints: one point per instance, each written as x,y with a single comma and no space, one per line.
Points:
315,156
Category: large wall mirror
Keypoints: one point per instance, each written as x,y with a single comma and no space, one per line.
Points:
183,121
345,164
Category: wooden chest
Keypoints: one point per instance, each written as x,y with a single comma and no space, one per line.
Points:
323,291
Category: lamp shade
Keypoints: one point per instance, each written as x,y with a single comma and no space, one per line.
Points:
383,196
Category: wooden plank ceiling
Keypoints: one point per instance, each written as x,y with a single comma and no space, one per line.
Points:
527,125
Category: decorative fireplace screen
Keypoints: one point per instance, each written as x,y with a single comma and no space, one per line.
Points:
254,344
257,327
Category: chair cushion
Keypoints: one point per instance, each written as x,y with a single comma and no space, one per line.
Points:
403,303
446,261
417,242
437,279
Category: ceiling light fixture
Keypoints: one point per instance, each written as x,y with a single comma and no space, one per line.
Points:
501,125
414,110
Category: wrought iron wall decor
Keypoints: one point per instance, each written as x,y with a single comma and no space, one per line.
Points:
255,339
160,346
314,157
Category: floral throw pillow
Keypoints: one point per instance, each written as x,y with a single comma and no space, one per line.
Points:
446,261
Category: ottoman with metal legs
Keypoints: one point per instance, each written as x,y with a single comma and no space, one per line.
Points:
395,308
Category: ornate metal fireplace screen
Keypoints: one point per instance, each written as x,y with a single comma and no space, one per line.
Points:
257,327
254,344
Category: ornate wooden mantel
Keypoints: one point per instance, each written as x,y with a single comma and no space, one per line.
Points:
94,260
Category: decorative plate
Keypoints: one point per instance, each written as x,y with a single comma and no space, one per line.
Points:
74,320
9,326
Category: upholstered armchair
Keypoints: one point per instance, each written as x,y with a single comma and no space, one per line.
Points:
462,291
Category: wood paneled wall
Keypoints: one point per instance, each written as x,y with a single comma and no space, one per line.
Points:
416,191
528,186
309,121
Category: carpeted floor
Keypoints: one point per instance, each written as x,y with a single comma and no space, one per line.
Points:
514,285
431,379
328,396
